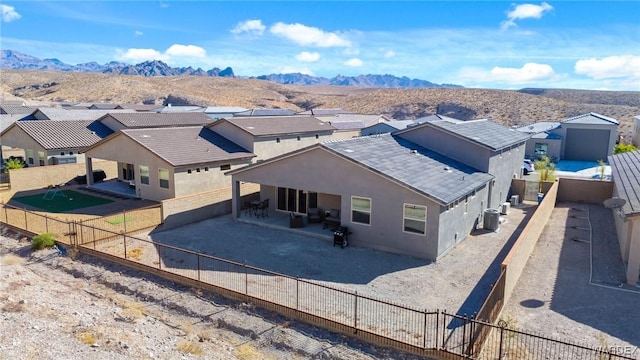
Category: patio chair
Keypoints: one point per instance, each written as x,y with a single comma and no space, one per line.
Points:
263,209
248,208
315,215
296,221
332,220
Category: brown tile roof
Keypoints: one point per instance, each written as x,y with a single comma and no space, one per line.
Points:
17,109
278,125
63,134
152,119
187,145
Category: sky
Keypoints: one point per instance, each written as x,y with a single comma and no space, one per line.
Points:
478,44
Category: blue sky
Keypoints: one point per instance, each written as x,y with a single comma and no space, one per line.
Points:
483,44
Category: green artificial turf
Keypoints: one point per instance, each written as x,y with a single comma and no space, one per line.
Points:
119,219
63,201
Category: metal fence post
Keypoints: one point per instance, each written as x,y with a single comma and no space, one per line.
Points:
46,224
355,313
297,293
124,237
246,278
198,259
502,324
159,258
124,220
26,227
6,213
437,329
424,340
464,331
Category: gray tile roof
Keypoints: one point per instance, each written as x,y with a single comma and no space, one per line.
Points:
224,109
105,106
17,109
482,132
64,134
324,112
266,112
139,107
539,127
625,170
66,114
436,117
188,145
348,125
425,171
179,108
7,119
277,125
390,126
591,118
365,120
153,119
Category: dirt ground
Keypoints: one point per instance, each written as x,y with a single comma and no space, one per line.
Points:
54,307
573,285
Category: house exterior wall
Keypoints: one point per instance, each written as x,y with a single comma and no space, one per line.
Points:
235,134
344,134
380,128
450,146
17,138
209,177
112,124
554,147
266,147
122,150
612,128
628,231
320,171
504,165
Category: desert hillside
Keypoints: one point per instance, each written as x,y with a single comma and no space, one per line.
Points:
508,107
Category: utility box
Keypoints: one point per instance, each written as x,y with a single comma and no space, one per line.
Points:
515,200
504,209
491,219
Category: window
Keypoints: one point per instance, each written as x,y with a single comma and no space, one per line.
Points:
197,169
414,219
361,210
188,171
466,204
206,168
163,175
317,136
30,157
62,153
277,140
224,167
144,174
298,138
41,158
540,149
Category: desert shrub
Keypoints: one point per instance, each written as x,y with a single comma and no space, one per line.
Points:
13,164
189,347
623,148
44,240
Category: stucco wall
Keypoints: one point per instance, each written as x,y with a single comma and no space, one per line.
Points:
613,133
235,134
266,147
112,124
450,146
516,260
42,176
195,182
554,147
318,170
196,207
504,166
628,231
584,190
635,135
17,138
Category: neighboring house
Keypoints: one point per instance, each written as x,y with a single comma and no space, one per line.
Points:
47,142
17,109
587,137
269,136
105,106
140,107
119,121
179,108
625,173
350,125
164,163
219,112
635,136
324,112
266,112
386,127
419,191
49,113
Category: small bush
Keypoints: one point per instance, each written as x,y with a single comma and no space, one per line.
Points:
44,240
189,347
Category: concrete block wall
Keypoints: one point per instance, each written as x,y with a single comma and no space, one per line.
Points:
40,177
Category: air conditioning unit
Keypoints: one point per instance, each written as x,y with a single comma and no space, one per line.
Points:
504,209
491,219
515,200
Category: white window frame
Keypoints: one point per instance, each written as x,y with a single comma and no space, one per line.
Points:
160,179
362,211
414,206
148,176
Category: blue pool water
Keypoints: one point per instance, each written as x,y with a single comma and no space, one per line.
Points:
568,165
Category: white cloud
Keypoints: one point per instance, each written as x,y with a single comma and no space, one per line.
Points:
139,55
254,27
9,13
306,56
528,73
355,62
524,11
389,54
138,33
178,50
308,36
610,67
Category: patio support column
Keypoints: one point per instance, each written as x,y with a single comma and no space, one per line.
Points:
89,166
235,198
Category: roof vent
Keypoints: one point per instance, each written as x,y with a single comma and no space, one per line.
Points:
348,150
447,169
414,151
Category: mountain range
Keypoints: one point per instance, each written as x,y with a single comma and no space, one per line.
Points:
10,59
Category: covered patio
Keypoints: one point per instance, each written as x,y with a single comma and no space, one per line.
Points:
281,221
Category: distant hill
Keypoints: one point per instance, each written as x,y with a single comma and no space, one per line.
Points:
370,80
10,59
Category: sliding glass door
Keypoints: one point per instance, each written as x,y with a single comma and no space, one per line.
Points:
295,200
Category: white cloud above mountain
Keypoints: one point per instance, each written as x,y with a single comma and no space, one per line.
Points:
524,11
306,56
8,13
610,67
308,35
252,27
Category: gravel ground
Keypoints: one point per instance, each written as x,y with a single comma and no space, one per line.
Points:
572,287
54,307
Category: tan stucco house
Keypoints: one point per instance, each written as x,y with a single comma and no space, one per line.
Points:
625,173
168,162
